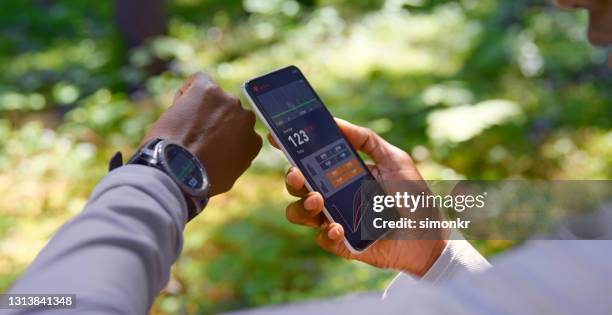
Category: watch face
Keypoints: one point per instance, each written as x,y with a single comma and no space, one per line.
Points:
184,167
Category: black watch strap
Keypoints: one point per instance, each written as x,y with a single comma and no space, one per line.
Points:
116,161
139,156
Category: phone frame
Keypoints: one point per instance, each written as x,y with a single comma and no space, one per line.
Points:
262,117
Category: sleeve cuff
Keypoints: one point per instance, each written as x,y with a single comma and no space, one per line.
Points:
459,256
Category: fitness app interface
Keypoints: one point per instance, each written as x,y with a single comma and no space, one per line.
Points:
312,138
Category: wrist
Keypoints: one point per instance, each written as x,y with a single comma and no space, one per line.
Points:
431,252
181,165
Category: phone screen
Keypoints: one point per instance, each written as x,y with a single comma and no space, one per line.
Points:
314,142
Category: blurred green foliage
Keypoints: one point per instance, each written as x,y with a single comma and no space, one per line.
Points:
472,89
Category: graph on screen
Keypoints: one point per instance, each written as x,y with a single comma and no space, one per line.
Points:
289,102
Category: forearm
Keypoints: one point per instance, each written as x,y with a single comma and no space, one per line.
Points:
115,255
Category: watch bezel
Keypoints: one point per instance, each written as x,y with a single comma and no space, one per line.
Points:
160,154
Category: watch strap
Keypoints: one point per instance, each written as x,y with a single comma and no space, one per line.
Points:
116,161
142,155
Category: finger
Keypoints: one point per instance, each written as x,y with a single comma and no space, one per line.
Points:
332,245
313,203
295,182
250,119
335,232
273,141
256,141
298,214
364,139
232,100
255,144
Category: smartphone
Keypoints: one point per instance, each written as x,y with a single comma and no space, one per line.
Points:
310,139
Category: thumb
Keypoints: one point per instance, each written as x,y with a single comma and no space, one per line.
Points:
365,140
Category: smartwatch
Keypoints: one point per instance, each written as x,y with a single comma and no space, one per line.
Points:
182,166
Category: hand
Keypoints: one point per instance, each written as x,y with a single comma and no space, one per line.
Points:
212,125
392,164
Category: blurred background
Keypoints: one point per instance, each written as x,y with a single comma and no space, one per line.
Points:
472,89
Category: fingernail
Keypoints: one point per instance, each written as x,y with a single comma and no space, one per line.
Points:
334,233
290,170
289,175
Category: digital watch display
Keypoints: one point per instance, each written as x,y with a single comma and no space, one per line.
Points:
183,166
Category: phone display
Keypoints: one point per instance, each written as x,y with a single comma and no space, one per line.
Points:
312,141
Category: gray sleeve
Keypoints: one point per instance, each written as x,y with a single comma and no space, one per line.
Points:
541,277
117,253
